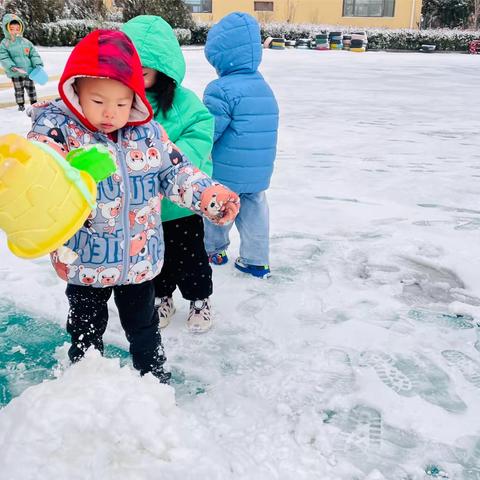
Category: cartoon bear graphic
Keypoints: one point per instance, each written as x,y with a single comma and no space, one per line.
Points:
141,272
87,276
110,211
108,277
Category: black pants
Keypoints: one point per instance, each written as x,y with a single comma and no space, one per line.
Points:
21,83
88,317
186,261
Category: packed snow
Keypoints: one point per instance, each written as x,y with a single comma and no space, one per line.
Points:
358,359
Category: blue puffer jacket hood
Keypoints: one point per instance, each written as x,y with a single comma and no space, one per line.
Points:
234,44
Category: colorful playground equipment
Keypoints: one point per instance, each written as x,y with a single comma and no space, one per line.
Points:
45,198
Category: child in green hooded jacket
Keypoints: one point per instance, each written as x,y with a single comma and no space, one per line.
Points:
190,126
18,57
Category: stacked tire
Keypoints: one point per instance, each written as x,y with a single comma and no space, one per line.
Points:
336,40
346,41
277,44
359,42
322,42
303,43
428,48
268,42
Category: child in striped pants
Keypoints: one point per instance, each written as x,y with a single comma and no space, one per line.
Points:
18,57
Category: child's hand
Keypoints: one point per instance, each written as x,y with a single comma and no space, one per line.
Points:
230,211
19,70
219,204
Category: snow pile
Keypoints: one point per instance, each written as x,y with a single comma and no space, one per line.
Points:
98,420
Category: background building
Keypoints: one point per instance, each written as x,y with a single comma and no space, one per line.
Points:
364,13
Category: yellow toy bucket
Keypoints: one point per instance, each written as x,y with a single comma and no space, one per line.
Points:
43,200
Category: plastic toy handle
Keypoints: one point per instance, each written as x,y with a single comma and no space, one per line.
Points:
94,159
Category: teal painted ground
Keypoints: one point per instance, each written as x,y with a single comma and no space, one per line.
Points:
27,355
27,351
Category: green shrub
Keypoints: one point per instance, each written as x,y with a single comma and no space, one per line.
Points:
199,33
69,32
175,12
184,35
66,32
34,12
445,40
84,9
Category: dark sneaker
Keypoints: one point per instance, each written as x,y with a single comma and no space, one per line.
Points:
259,271
219,258
21,108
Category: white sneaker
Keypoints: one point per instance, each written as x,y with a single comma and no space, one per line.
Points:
166,309
200,317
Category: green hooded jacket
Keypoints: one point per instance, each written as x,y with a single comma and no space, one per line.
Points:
18,52
188,123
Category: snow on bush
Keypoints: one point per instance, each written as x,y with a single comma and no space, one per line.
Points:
184,35
69,32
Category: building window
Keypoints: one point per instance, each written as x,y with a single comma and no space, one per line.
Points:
199,6
368,8
263,6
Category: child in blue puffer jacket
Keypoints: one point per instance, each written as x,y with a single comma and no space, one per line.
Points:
245,140
120,248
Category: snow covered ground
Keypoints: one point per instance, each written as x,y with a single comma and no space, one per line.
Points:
358,359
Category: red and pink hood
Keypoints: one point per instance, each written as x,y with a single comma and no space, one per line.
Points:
106,54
